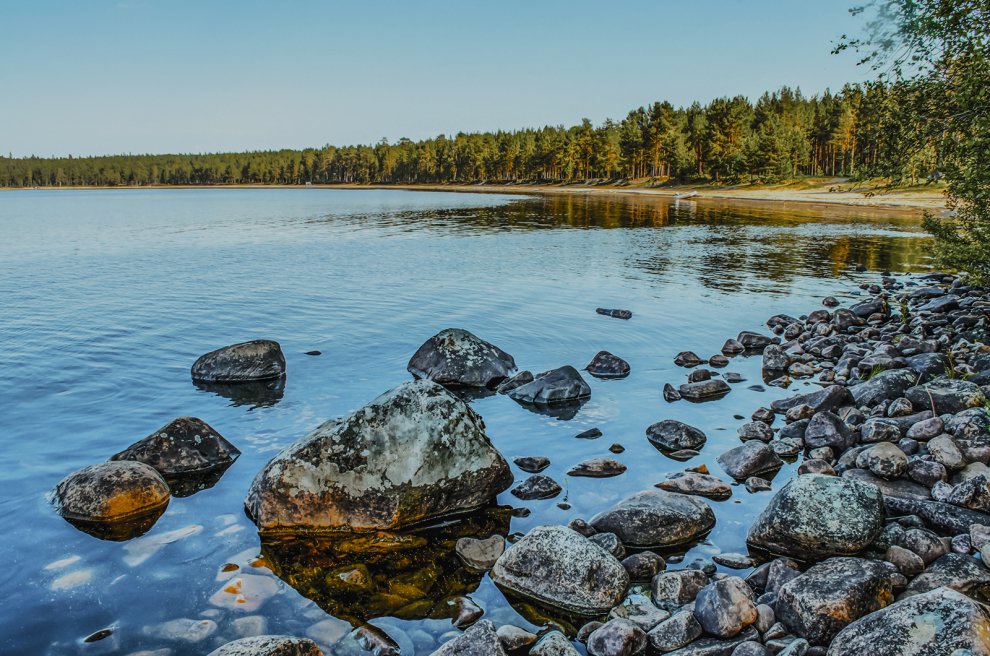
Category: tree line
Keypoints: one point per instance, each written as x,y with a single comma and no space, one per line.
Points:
858,132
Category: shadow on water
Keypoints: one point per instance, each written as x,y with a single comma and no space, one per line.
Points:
410,575
259,394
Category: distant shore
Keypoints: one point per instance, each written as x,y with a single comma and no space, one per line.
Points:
824,193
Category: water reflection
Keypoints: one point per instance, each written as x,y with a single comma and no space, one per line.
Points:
257,394
411,575
119,531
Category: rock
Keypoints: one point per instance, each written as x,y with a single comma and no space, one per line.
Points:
907,562
753,341
597,468
718,360
755,430
828,399
954,571
184,446
733,560
705,390
703,485
111,492
716,646
901,488
670,394
269,645
687,359
757,484
554,644
675,632
656,518
618,637
672,589
830,301
513,638
927,365
815,466
537,486
732,347
555,386
825,599
925,429
644,565
558,567
945,451
606,365
479,640
672,435
779,572
879,430
815,517
775,358
724,608
590,434
973,494
940,622
509,384
751,648
946,396
615,314
183,630
826,429
457,358
610,543
531,464
413,454
886,461
941,516
749,459
479,555
261,359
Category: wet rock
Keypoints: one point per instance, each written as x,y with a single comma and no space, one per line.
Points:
554,644
705,390
932,624
753,341
509,384
555,386
245,592
670,394
479,555
724,608
775,358
827,399
718,361
954,571
678,630
558,567
946,396
751,648
610,543
590,434
606,365
537,486
825,599
886,461
513,638
732,347
779,572
673,589
656,518
457,358
766,415
617,448
413,454
597,468
815,517
479,640
755,430
466,611
699,375
183,629
532,464
185,446
269,645
672,435
618,637
687,359
749,459
733,560
826,429
830,301
248,361
644,565
757,484
703,485
615,314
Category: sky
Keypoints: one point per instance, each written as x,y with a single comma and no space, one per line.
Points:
178,76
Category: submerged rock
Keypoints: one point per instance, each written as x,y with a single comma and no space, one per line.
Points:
558,567
260,359
816,516
183,447
606,365
555,386
413,454
456,357
479,554
656,518
673,435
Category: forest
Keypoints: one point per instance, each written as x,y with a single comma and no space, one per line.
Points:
862,131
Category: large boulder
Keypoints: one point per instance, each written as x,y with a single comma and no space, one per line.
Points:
261,359
946,396
268,645
827,399
110,492
415,453
558,567
938,623
816,516
821,602
184,446
555,386
673,435
458,358
656,518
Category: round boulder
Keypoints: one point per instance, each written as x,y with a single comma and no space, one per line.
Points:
261,359
673,435
606,365
110,492
186,445
458,358
656,518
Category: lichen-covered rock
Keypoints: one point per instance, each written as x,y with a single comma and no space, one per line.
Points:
816,516
536,486
673,435
269,645
885,386
560,568
457,358
261,359
703,485
110,492
937,623
957,572
675,632
827,399
821,602
414,454
607,365
749,459
184,446
656,518
946,396
555,386
479,640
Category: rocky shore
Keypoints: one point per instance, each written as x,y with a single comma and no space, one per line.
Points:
879,545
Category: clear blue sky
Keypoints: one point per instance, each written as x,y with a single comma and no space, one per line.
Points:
91,77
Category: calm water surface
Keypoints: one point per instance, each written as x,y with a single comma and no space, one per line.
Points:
107,297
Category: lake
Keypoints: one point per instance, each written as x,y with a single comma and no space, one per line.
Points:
109,296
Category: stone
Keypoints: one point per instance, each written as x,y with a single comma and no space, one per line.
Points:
815,466
329,631
826,429
509,384
513,638
532,464
415,453
907,562
716,646
248,361
724,608
184,446
753,341
245,593
755,430
643,566
775,358
749,459
555,386
479,555
937,623
457,358
955,571
610,543
606,365
617,637
879,430
672,435
733,560
757,484
814,517
946,396
615,314
886,461
268,645
558,567
703,485
676,588
536,486
687,359
679,630
732,347
597,468
973,493
479,640
829,596
111,492
656,518
590,434
670,394
554,644
827,399
705,390
945,451
925,429
183,629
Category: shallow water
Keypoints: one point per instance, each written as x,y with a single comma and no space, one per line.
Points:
109,296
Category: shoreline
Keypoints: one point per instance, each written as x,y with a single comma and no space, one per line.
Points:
780,195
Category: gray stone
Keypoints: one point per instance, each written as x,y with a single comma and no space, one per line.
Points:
973,493
554,644
886,461
703,485
248,361
536,486
555,386
704,390
457,358
676,588
513,638
673,633
885,386
617,637
946,396
724,608
672,435
479,640
269,645
655,518
644,565
607,365
955,571
531,464
478,554
749,459
826,429
184,446
755,430
597,468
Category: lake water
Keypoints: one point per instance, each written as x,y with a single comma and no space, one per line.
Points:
107,297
